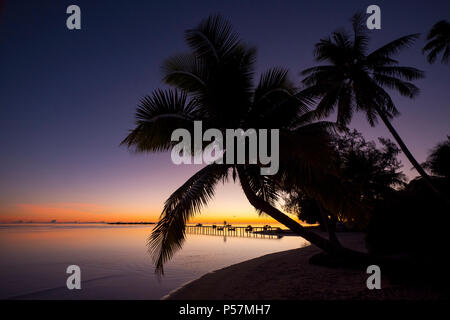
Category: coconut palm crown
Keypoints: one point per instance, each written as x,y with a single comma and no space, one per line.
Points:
357,80
214,83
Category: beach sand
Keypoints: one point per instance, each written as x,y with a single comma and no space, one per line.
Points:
289,275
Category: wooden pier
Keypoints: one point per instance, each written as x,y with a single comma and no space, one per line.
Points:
232,231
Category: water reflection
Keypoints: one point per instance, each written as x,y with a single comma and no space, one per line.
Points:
114,260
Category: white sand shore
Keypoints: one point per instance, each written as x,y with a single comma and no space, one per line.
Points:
288,275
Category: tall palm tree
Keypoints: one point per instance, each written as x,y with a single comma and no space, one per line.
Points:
438,41
355,80
214,84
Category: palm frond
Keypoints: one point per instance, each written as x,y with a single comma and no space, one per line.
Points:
318,70
361,39
393,47
322,129
435,46
213,38
405,88
326,49
305,118
446,55
263,186
273,81
186,72
157,116
407,73
372,98
276,103
328,100
188,200
440,28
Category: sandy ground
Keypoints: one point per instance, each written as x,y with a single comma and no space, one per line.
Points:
288,275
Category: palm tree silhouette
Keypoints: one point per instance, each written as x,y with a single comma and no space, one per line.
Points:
355,80
214,83
438,41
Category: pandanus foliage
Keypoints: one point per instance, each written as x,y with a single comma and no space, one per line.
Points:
214,83
356,80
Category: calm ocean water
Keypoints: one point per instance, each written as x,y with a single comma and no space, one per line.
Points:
113,259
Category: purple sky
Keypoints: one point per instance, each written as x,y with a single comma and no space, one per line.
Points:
67,98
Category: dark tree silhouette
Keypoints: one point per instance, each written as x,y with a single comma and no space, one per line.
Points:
376,171
300,204
311,211
371,172
438,162
438,42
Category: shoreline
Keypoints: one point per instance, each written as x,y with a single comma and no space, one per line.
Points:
288,275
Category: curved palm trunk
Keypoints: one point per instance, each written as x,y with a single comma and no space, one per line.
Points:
327,224
408,154
324,244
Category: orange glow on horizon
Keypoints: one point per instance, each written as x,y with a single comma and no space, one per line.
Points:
87,212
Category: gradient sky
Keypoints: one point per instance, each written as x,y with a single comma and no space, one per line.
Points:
67,98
